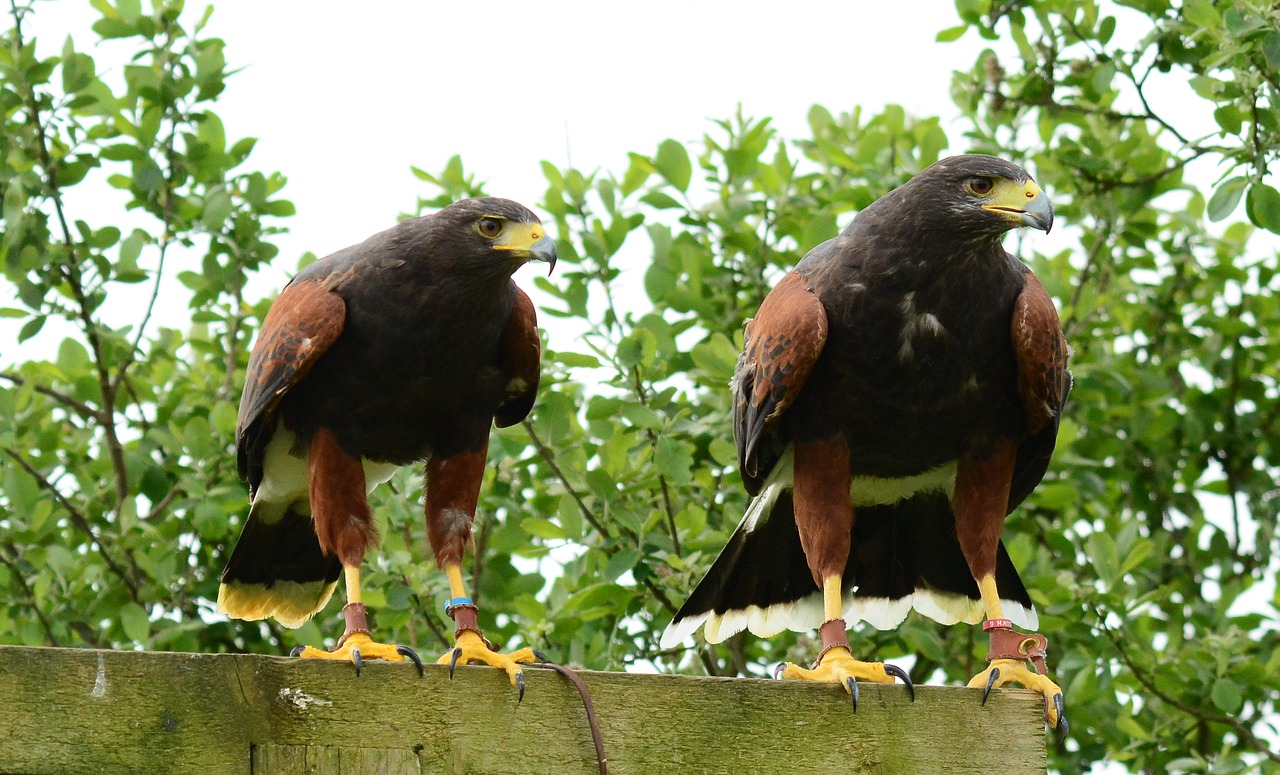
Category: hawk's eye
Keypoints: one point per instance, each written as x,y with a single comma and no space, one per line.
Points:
490,227
980,185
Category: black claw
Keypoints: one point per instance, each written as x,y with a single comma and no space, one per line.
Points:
1063,727
991,681
359,663
520,686
297,650
453,661
901,674
853,691
412,655
541,656
777,671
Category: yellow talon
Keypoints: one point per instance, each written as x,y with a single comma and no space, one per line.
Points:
471,647
1009,671
357,647
836,666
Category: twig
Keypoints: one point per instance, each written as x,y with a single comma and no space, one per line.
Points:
166,217
20,577
84,410
70,269
78,519
1195,711
548,456
638,387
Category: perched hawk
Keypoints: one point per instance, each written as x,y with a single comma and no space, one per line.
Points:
400,350
898,396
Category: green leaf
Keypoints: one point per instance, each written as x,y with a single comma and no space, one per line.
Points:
1101,548
576,360
1271,51
672,163
1229,118
971,10
217,208
674,459
134,620
1201,13
637,349
659,200
542,528
951,33
1226,197
77,72
1130,726
1226,695
73,358
31,328
620,563
1263,206
717,357
1106,29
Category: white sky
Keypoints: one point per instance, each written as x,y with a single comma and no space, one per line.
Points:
345,100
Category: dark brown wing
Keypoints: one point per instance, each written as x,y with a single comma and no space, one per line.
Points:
302,324
1040,350
521,355
783,344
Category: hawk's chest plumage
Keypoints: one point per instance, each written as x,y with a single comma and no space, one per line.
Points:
415,371
918,366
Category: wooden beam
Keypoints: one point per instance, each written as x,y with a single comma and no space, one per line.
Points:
70,711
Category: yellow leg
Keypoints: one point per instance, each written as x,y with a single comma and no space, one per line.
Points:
356,645
1006,668
832,600
990,598
836,663
454,574
351,573
471,645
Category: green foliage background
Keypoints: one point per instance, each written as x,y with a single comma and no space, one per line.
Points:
118,495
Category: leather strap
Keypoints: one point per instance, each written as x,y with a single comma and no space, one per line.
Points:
357,620
1006,643
833,633
466,617
585,694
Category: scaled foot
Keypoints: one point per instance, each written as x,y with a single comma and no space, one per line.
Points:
1010,652
472,647
837,665
356,645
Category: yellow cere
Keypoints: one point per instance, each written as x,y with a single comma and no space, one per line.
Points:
1011,197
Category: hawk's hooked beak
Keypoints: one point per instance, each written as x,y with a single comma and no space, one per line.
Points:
530,242
1025,203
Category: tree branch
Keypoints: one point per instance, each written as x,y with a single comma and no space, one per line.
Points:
78,519
1197,712
638,388
18,576
549,457
70,269
85,411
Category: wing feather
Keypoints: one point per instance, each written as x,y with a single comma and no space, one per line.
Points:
1041,351
782,345
301,325
521,354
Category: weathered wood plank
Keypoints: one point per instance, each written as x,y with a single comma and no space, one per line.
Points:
72,711
326,760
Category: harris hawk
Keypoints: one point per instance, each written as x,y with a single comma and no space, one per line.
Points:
898,395
398,350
